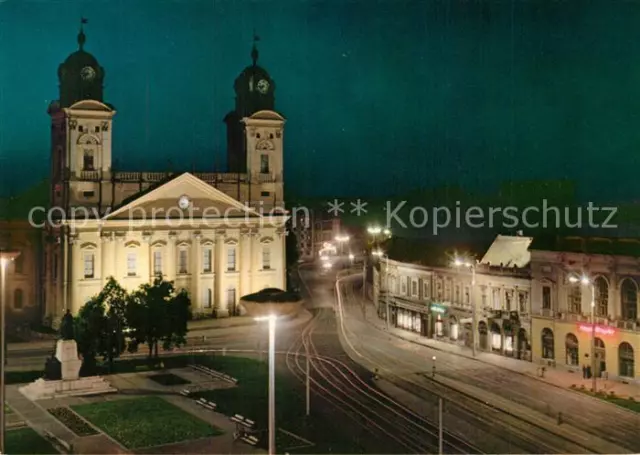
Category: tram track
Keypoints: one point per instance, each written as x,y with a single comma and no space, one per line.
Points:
374,411
536,439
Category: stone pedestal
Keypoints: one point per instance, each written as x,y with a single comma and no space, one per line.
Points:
67,355
71,384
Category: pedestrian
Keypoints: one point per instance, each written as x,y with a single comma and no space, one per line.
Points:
584,371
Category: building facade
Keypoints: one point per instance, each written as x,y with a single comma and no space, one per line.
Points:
22,292
217,235
562,311
439,302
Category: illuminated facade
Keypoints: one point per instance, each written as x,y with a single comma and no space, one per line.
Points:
137,225
562,327
438,302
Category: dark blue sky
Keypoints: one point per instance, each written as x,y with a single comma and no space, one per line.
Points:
380,96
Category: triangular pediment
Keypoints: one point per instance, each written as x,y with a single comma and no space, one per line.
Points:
164,203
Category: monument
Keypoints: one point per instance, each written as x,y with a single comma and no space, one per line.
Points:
70,384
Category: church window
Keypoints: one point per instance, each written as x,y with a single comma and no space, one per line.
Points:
131,264
264,164
231,259
258,135
265,194
89,265
207,254
88,194
182,261
271,136
266,258
80,128
97,129
157,262
88,160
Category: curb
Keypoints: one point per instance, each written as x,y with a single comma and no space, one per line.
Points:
497,366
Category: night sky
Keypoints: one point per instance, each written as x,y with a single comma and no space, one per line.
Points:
381,96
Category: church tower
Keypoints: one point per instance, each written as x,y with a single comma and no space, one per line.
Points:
255,134
254,91
81,134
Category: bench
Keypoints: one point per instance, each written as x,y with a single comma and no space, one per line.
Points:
57,441
206,404
245,429
214,373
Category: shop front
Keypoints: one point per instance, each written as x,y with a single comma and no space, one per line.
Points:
410,316
568,344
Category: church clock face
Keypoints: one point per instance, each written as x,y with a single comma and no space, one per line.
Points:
184,202
87,73
263,86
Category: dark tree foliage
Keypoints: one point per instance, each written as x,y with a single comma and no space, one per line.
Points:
100,326
156,314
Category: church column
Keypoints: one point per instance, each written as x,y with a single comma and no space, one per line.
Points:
282,263
246,262
196,252
220,273
72,276
105,251
170,269
145,249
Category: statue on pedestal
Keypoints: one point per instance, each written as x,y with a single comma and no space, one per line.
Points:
66,327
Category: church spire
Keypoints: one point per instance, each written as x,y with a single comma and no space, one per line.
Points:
254,50
81,36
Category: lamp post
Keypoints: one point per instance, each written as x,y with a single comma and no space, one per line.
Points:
586,281
272,379
380,254
5,258
470,264
433,367
351,258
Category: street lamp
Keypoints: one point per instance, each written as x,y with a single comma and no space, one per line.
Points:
380,254
433,368
470,264
5,258
272,379
586,281
351,258
374,231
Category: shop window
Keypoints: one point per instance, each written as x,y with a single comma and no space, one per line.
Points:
547,344
626,360
571,345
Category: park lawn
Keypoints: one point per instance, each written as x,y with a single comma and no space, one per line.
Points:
145,422
627,403
250,399
27,441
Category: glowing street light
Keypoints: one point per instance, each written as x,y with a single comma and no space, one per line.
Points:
586,281
5,258
272,380
470,264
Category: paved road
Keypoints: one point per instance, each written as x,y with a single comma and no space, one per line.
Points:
604,420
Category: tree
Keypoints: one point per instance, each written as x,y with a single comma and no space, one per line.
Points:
156,313
100,326
89,328
114,297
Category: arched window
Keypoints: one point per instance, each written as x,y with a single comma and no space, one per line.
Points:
18,296
626,360
547,344
601,288
571,345
629,299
